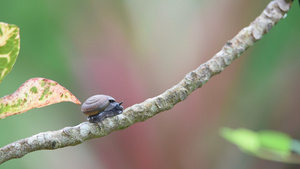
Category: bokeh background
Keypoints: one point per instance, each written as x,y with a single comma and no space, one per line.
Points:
134,50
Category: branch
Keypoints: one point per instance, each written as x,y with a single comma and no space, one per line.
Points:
71,136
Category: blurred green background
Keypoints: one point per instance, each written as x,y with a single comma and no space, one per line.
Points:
133,50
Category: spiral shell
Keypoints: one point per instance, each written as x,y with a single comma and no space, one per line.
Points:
96,104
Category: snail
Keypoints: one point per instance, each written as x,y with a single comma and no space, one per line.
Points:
98,107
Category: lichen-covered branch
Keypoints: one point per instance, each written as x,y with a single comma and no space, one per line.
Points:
71,136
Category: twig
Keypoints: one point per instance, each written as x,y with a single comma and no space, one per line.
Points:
71,136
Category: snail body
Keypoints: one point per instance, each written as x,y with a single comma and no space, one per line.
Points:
99,107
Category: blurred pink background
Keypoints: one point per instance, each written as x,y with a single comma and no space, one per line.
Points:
134,50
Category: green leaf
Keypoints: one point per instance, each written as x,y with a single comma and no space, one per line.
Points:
9,47
246,140
275,140
34,93
265,144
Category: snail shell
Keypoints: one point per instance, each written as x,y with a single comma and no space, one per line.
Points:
99,107
96,104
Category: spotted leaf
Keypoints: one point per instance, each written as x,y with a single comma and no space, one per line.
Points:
9,47
34,93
